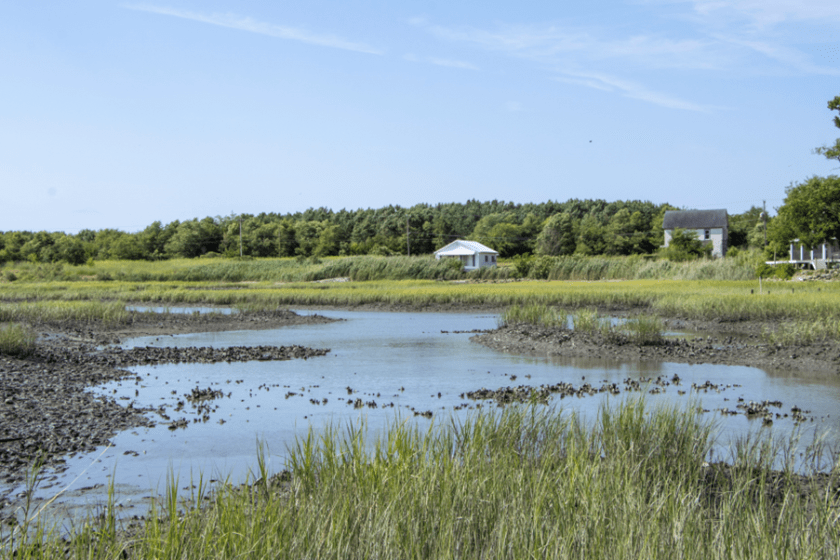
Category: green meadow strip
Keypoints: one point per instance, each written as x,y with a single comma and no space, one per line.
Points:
694,299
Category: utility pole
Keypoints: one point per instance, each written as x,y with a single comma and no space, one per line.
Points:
240,236
407,242
764,219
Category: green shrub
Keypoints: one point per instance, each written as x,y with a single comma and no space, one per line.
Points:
764,270
541,267
785,271
522,265
10,276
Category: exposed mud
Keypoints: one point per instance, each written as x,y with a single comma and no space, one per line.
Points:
46,413
730,348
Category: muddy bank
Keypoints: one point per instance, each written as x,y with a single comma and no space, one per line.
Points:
47,414
727,348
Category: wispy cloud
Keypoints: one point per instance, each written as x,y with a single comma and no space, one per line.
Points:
722,36
251,25
550,43
564,51
630,89
788,57
766,13
442,62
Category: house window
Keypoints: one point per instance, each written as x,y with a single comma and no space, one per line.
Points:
707,234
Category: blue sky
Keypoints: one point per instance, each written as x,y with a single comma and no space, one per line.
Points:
117,114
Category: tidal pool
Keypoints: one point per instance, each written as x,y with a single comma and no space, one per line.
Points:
404,364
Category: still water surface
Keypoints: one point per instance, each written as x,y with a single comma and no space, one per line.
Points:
403,363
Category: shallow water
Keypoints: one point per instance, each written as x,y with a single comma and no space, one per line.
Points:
179,309
403,363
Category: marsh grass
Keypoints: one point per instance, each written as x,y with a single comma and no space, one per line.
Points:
802,332
109,313
368,267
639,268
704,300
520,482
359,268
17,340
533,314
586,321
642,329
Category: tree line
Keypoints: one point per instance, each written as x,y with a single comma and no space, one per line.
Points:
580,227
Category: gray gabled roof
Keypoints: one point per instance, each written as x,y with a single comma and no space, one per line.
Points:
695,219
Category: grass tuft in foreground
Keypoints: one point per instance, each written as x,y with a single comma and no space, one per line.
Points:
533,314
518,483
17,340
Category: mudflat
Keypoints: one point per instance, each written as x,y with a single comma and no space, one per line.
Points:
45,412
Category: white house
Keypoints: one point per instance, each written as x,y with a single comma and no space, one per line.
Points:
712,226
473,254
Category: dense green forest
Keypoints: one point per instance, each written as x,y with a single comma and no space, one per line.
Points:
580,227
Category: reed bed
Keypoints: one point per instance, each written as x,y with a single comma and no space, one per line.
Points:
368,267
639,268
359,268
523,482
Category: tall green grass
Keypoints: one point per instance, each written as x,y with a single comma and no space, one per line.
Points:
639,268
534,314
524,482
642,329
361,268
366,268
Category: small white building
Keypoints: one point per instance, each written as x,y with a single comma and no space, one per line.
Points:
712,227
473,255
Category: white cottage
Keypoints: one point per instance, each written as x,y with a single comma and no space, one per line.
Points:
473,254
712,227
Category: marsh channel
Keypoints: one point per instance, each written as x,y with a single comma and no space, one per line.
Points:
423,367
